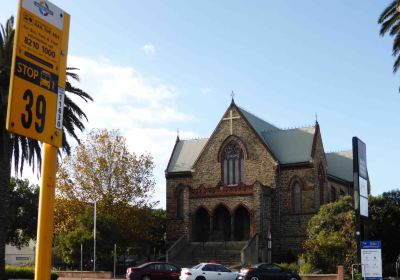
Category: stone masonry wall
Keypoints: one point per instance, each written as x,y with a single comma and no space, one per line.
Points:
259,165
177,227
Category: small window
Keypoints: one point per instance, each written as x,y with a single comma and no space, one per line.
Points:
333,194
297,197
179,206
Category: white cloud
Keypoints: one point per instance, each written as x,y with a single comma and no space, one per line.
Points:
149,49
142,109
205,91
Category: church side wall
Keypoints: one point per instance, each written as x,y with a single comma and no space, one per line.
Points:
177,227
341,189
292,231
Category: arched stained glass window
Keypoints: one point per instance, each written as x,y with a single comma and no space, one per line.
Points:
232,162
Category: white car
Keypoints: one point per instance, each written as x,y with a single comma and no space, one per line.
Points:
207,271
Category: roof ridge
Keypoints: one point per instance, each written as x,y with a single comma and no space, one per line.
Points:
287,129
196,138
338,151
241,108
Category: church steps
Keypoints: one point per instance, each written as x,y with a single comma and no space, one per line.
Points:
226,253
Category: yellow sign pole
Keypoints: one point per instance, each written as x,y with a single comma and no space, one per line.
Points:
36,102
46,214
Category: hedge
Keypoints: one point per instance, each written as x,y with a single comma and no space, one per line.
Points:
23,272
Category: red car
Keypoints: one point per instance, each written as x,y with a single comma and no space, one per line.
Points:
153,271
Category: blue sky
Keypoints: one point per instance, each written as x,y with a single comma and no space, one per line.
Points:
157,66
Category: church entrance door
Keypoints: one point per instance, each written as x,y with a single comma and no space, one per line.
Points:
242,224
201,225
222,224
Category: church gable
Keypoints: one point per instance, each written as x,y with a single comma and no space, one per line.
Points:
234,138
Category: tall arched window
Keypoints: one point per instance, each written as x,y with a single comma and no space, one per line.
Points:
232,164
179,204
296,192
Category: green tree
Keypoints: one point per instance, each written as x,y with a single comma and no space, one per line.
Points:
102,169
21,149
22,213
384,213
68,244
330,236
390,23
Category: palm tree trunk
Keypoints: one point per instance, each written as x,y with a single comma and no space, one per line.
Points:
5,170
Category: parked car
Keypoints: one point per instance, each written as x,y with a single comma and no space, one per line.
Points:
207,271
264,271
154,271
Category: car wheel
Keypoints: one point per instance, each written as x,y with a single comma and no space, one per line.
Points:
292,278
254,278
200,278
146,277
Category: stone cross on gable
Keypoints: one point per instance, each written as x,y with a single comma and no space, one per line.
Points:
231,118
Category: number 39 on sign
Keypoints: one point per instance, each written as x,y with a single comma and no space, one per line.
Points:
36,97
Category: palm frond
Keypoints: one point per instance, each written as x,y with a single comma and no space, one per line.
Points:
396,45
388,12
395,29
396,64
386,25
78,92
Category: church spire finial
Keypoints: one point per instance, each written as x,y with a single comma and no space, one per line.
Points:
233,97
177,135
316,118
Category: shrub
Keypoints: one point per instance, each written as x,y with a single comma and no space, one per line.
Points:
306,268
294,267
23,272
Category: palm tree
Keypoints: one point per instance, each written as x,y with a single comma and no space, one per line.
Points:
390,22
22,149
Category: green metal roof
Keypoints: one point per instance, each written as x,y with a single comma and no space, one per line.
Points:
287,145
292,145
340,165
185,154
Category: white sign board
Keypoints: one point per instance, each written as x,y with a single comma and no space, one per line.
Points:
371,260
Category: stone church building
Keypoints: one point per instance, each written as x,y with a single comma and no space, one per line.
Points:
251,178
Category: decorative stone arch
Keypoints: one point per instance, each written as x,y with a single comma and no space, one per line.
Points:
296,187
201,224
231,156
221,223
242,222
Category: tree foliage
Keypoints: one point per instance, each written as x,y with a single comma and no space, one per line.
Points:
68,244
384,212
390,24
22,213
102,169
331,236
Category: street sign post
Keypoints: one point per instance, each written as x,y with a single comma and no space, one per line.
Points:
36,102
36,97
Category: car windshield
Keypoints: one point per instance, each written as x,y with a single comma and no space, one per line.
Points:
196,266
142,265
